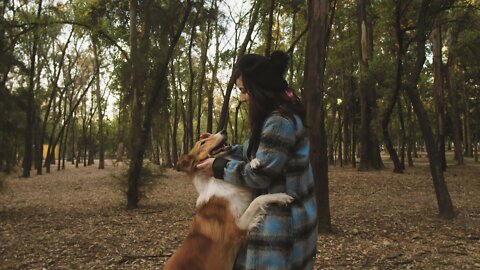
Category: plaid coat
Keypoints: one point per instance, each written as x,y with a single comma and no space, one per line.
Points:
287,237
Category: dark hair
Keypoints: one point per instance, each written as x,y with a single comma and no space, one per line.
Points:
263,78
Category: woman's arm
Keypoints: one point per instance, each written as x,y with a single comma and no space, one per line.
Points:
276,143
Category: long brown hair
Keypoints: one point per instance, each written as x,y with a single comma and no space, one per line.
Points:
268,92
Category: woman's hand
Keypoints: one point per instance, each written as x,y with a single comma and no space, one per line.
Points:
206,166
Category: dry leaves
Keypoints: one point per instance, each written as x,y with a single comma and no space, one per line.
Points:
77,219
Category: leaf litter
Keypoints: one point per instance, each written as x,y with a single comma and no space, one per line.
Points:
77,219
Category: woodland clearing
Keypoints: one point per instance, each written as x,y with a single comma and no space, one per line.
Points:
77,219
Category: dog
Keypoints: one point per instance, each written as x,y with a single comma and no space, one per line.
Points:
224,214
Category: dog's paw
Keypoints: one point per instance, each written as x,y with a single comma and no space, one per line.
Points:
283,198
255,163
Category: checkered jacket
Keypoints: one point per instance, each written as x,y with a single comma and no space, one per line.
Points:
287,237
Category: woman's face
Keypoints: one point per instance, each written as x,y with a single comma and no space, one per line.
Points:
244,97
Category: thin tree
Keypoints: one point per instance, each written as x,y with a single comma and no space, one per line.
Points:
28,150
443,197
222,123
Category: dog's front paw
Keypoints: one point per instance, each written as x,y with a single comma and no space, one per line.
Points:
283,198
255,163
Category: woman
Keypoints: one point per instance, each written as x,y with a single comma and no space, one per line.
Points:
286,239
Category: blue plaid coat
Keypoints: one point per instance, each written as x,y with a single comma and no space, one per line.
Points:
287,237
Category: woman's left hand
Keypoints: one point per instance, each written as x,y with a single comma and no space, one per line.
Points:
206,166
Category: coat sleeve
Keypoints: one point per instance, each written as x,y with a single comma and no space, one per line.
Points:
277,140
236,152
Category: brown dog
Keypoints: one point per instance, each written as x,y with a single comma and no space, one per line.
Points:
224,213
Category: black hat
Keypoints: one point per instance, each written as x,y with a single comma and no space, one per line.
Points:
266,72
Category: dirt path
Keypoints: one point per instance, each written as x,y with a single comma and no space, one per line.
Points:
76,219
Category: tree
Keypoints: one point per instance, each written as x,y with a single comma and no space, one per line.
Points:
317,38
150,93
30,120
443,197
370,150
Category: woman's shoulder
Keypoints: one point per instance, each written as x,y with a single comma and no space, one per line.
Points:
276,116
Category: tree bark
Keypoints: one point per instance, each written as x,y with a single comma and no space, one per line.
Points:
370,150
98,92
189,131
443,197
452,96
411,133
268,35
439,91
315,62
222,123
203,62
399,53
160,74
30,111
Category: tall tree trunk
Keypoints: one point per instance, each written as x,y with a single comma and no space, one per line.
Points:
315,61
399,53
443,197
28,146
152,99
52,98
452,96
201,82
439,91
98,92
211,87
370,150
331,142
468,134
137,79
402,135
476,149
222,123
346,119
352,106
268,35
411,133
175,116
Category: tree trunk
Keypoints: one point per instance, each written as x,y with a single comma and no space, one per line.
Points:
210,89
30,111
454,115
370,151
201,82
222,123
476,149
152,99
402,135
439,91
98,92
313,95
175,116
268,35
443,197
466,118
331,142
411,133
346,120
399,53
189,131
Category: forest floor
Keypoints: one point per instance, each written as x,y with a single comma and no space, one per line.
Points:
77,219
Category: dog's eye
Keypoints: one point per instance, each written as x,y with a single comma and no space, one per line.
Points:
202,143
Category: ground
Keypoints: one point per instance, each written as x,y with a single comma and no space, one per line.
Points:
77,219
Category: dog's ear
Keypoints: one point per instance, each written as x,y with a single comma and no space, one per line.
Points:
186,163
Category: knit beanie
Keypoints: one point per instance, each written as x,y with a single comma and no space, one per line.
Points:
266,72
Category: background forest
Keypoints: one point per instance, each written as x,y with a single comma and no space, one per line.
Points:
85,81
